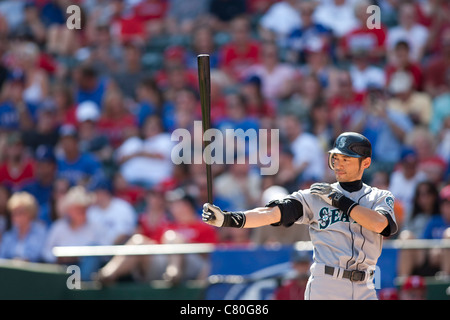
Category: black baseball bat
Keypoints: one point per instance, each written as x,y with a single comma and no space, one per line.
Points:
204,80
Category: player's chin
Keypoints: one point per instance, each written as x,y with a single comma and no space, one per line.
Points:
340,176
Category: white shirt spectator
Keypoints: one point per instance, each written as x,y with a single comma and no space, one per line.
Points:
137,168
62,234
416,37
273,82
307,149
403,189
281,18
119,218
340,19
371,75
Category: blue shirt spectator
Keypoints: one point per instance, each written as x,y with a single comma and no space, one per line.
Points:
74,166
25,239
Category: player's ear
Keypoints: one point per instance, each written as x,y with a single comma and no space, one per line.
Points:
366,162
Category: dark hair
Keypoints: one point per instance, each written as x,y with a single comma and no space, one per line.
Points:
433,190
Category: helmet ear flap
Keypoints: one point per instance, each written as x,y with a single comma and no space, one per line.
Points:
330,161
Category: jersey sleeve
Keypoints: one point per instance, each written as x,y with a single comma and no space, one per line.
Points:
385,205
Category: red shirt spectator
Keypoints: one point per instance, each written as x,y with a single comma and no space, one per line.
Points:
242,52
403,63
115,119
16,171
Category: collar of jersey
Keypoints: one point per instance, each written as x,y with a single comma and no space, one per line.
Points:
351,186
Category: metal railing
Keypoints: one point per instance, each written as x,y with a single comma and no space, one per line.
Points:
153,249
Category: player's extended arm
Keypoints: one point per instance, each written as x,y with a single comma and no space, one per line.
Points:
253,218
368,218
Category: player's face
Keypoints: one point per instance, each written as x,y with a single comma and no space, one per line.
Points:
347,169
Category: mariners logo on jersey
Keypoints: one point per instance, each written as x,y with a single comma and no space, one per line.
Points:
328,216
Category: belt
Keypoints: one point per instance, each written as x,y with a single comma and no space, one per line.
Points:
352,275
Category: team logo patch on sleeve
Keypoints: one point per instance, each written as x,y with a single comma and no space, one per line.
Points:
390,202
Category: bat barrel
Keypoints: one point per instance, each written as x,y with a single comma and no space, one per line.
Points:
204,79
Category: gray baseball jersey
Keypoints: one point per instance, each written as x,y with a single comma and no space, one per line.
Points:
338,240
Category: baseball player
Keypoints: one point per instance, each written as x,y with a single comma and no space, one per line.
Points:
347,221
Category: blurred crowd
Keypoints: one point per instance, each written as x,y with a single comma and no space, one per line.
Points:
86,116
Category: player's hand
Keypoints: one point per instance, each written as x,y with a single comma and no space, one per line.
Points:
212,215
329,194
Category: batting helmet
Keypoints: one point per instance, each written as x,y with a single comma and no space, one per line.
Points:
351,144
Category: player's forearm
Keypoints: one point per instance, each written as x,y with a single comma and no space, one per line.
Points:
369,219
261,216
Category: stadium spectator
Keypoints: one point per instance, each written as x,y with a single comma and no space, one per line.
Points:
5,215
239,186
182,16
337,15
46,128
308,166
440,111
438,224
175,75
276,76
115,119
74,229
41,187
425,207
257,105
89,84
401,62
410,31
184,110
116,215
17,168
308,33
306,90
223,12
15,113
364,38
280,20
294,287
344,102
149,100
36,80
25,240
404,180
62,96
236,116
101,50
186,228
415,104
136,155
130,71
202,42
155,214
425,143
436,70
241,52
386,128
364,75
76,166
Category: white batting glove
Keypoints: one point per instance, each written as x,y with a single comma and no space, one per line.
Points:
324,191
212,215
333,196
